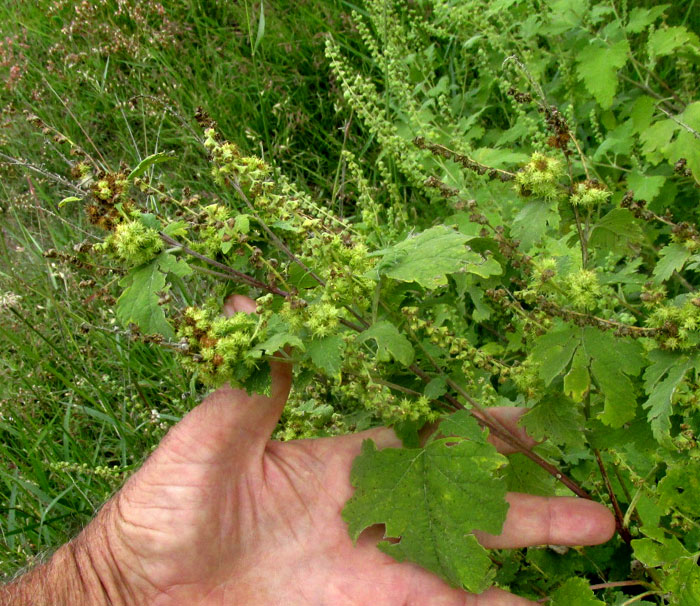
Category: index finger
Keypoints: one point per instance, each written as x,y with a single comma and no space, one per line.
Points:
535,520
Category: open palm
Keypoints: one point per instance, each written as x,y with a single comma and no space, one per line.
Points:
221,515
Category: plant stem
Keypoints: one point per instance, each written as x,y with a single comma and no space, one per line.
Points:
622,530
500,431
237,276
278,242
43,172
639,597
659,80
285,249
232,273
465,161
582,239
649,91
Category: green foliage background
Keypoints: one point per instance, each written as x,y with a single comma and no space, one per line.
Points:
462,204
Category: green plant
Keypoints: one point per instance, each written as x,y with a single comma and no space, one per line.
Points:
519,231
592,320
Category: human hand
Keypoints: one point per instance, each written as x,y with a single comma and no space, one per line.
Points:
221,515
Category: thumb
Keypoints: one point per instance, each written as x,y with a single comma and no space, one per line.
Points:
230,422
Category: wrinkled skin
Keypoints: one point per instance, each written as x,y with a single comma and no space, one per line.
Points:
220,515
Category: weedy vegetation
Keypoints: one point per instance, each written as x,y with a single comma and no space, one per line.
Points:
439,206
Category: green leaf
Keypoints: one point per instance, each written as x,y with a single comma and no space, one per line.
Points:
499,158
645,187
277,342
286,226
300,277
407,432
683,584
390,342
658,553
613,359
563,16
575,592
139,301
327,353
555,419
671,258
635,438
617,141
553,351
687,144
680,488
597,66
641,18
661,390
656,139
146,163
650,512
483,266
150,221
169,263
428,257
68,200
642,113
616,231
433,499
665,41
436,388
261,28
259,381
241,224
482,310
176,229
522,475
577,381
532,222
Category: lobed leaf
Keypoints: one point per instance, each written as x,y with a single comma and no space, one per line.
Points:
327,353
672,257
597,65
138,303
661,380
427,258
390,342
433,499
613,362
532,222
665,41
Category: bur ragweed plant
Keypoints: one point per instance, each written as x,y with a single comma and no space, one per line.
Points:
388,335
518,238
